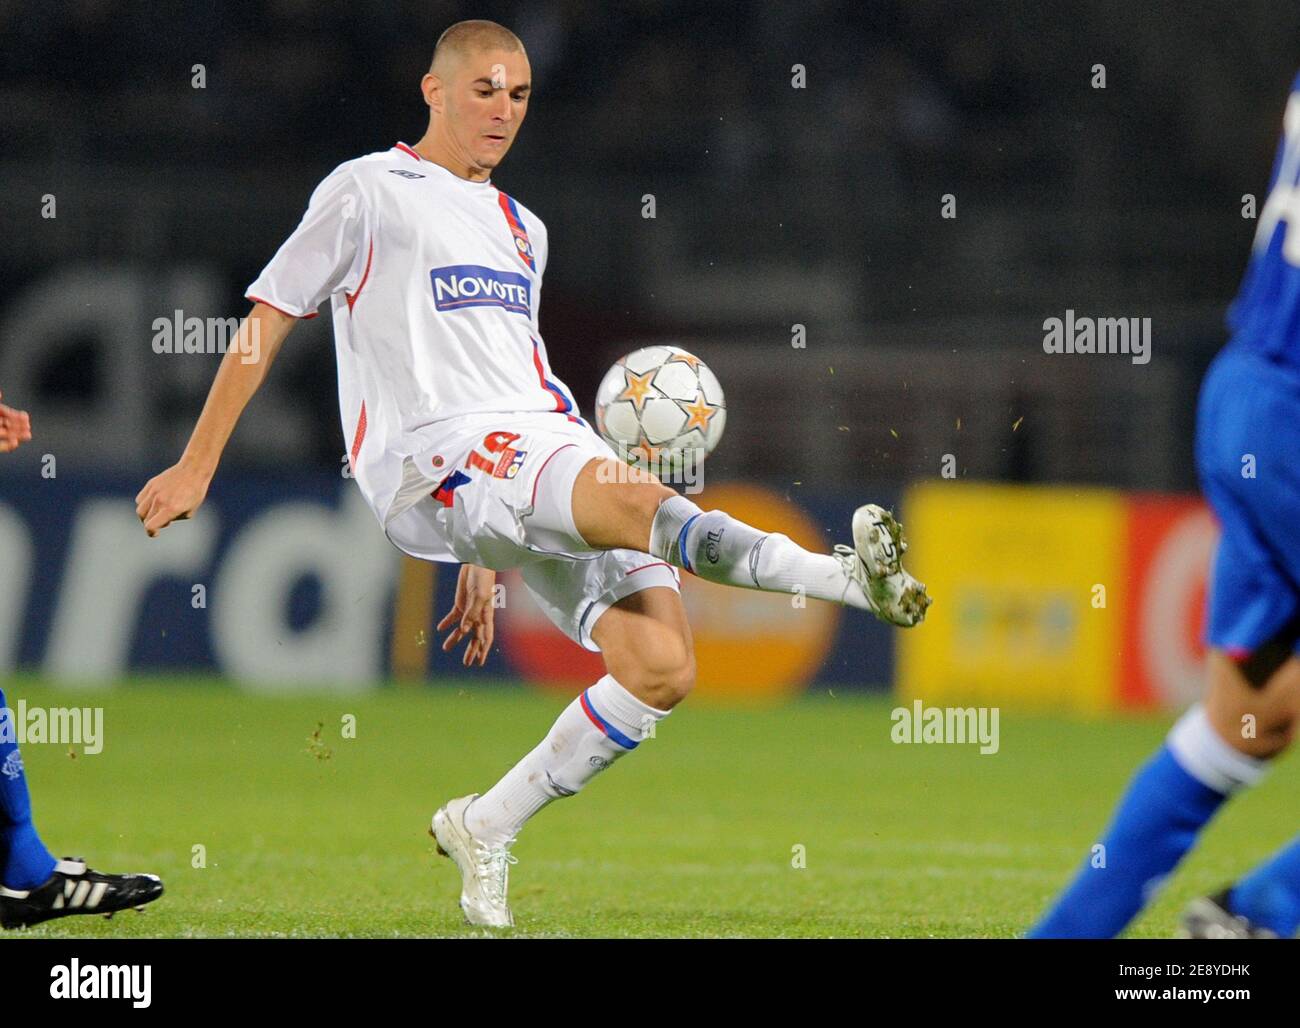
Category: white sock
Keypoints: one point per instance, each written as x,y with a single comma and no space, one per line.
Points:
1207,758
718,548
592,732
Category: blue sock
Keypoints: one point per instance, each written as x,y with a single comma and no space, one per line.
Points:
1270,895
24,861
1156,824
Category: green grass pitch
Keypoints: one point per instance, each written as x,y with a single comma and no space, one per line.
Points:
693,835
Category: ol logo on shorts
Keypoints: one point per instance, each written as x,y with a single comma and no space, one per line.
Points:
504,460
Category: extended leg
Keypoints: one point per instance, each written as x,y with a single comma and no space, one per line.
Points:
612,508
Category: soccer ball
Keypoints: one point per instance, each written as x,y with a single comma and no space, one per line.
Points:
661,408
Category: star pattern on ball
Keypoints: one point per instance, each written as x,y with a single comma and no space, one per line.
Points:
689,359
637,387
645,451
699,413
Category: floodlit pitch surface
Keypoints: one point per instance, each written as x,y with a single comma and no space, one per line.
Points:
699,833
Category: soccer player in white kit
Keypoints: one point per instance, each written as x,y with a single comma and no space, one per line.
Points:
468,447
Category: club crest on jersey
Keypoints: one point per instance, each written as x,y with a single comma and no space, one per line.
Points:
516,223
471,285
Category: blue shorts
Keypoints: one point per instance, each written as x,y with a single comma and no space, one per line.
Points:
1250,408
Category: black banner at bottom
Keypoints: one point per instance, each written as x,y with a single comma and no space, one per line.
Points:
323,976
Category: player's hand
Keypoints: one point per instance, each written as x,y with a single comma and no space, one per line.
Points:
472,615
172,496
15,428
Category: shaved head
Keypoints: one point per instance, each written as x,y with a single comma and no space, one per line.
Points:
477,91
469,37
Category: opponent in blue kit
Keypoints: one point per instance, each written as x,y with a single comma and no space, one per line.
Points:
34,886
1248,459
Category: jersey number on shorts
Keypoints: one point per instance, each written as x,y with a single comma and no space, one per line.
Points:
505,460
504,463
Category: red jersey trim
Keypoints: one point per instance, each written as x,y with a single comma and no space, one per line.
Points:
358,436
642,567
370,256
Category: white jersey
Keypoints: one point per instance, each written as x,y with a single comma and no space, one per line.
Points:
434,283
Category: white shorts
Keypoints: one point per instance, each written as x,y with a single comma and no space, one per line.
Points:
507,502
575,593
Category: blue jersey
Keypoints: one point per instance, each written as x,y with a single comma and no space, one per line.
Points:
1248,429
1265,317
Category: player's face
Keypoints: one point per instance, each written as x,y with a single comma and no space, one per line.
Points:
484,103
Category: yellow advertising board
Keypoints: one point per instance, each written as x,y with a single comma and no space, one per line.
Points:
1028,590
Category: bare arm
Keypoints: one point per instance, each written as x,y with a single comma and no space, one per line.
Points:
177,493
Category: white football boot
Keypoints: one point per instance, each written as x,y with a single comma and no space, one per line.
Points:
1209,918
484,870
874,561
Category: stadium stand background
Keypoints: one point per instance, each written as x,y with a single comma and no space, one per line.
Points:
775,205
